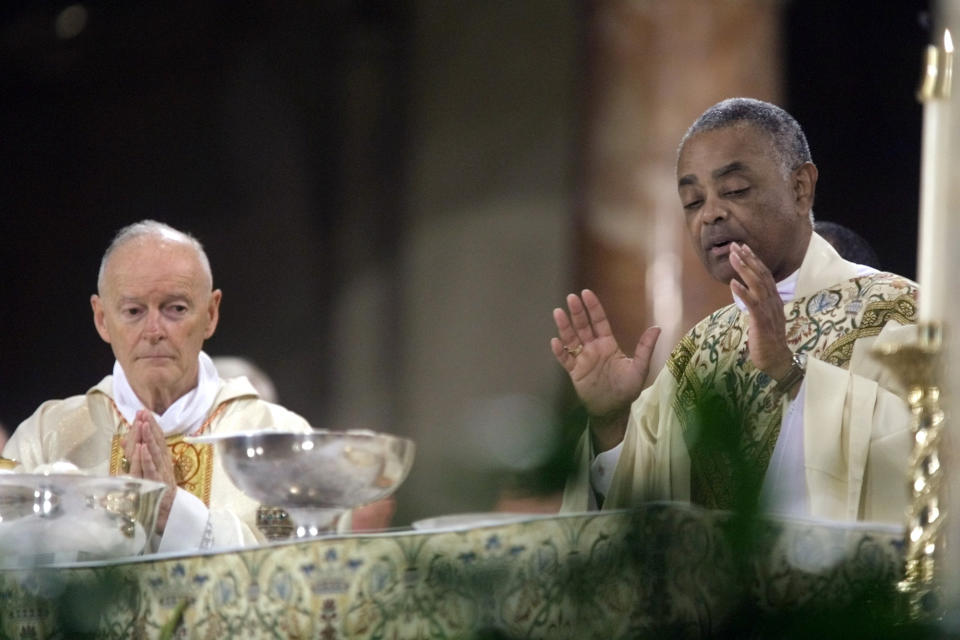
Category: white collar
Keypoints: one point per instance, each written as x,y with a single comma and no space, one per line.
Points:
787,288
186,414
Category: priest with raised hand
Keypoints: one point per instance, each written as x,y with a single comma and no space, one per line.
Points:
777,393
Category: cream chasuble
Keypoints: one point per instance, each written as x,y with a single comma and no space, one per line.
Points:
711,419
81,430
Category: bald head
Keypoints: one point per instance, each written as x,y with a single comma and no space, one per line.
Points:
154,230
156,307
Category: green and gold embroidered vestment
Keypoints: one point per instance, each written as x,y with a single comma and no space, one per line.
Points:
718,386
711,417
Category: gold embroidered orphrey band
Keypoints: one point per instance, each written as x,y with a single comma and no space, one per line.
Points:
712,361
192,464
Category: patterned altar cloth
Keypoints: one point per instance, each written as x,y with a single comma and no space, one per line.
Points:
663,570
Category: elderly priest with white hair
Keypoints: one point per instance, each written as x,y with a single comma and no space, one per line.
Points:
155,306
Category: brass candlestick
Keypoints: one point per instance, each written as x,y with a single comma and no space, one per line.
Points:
917,366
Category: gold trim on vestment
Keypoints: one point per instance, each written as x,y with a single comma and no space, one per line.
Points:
875,317
192,463
730,411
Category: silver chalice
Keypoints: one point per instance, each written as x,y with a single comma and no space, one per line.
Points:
314,476
64,517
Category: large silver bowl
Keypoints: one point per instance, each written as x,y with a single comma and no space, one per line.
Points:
68,517
315,476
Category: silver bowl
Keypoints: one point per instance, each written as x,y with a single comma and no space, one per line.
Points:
314,476
68,517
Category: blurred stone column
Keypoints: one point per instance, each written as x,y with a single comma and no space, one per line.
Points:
652,67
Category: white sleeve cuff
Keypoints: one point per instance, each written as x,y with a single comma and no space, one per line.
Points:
188,526
601,469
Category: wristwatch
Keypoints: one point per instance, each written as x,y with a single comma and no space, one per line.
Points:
797,368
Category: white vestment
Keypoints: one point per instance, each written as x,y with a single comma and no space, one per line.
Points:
80,430
856,427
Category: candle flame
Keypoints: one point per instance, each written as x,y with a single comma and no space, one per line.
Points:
937,80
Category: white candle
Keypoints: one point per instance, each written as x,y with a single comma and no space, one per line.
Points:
932,272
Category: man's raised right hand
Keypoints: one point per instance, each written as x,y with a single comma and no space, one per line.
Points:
604,377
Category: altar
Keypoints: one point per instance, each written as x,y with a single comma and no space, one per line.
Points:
663,570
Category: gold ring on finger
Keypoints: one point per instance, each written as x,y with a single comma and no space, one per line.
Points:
573,351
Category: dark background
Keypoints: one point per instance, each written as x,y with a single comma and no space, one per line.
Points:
852,71
238,122
229,120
